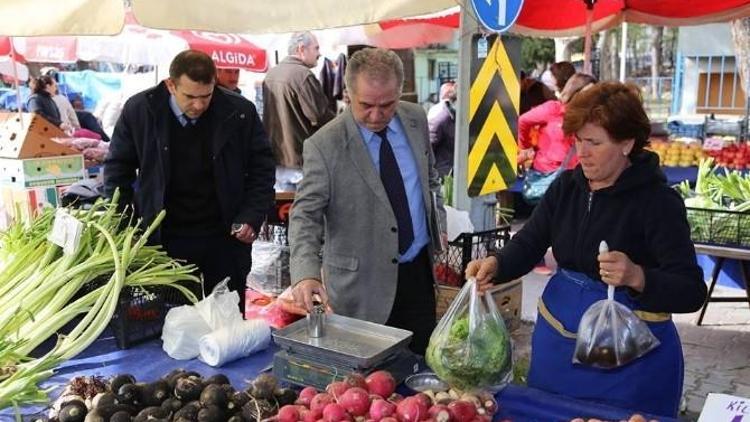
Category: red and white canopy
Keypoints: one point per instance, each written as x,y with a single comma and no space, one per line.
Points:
558,18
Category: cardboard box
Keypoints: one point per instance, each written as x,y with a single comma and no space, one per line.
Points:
507,297
42,172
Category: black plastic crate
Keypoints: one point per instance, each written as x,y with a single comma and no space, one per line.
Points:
140,313
451,263
719,227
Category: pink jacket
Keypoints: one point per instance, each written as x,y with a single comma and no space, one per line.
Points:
552,144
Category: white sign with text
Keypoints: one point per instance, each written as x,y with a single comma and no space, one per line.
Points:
725,408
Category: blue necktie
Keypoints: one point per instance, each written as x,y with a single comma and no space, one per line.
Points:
393,183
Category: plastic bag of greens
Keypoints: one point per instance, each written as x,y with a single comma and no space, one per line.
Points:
470,348
610,335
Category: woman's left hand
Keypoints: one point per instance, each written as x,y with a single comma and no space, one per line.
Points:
616,269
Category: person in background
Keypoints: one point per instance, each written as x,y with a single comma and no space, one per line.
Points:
533,93
617,194
40,101
229,78
200,153
557,76
67,113
551,146
369,179
447,95
441,120
294,105
87,119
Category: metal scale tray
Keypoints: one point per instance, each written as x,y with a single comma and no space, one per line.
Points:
346,341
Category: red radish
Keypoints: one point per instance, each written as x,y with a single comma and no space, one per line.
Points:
381,383
334,412
306,395
356,379
395,398
424,399
319,402
380,409
308,415
336,389
356,401
410,410
288,413
439,412
462,411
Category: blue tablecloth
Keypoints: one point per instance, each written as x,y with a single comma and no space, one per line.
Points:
148,362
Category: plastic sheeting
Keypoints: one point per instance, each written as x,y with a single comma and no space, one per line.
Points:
148,360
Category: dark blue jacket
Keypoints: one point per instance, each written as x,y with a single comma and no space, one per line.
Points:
639,215
43,105
244,169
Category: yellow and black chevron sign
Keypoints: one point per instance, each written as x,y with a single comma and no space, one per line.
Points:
493,113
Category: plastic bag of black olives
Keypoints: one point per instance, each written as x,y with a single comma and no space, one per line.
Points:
610,335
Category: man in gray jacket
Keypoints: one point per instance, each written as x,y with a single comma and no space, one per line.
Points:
371,191
294,105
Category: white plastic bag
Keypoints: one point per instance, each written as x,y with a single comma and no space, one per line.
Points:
610,335
221,307
234,341
270,271
458,222
183,329
185,325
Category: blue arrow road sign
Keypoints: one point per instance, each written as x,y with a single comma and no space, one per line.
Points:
497,15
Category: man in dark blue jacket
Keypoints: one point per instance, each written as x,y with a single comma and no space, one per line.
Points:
200,153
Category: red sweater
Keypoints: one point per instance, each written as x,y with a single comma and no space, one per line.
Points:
552,144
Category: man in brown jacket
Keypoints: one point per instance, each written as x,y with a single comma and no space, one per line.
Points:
294,105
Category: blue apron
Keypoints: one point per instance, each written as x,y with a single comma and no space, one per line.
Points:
651,383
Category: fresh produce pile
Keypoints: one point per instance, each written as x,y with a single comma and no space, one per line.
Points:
51,288
682,152
373,398
178,396
727,153
186,396
718,190
469,360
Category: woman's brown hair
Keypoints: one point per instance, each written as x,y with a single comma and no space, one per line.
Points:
614,106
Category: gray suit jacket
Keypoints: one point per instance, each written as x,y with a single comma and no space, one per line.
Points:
342,200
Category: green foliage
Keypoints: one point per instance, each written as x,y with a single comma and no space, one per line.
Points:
536,51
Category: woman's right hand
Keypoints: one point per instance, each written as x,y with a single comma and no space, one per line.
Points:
482,270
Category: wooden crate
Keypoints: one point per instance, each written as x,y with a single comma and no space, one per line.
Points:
507,297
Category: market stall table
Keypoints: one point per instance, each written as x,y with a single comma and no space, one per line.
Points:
722,253
148,361
674,175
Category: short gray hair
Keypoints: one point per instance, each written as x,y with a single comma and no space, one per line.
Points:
305,38
375,63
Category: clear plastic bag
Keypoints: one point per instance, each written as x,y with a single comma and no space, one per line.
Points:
270,271
470,348
610,335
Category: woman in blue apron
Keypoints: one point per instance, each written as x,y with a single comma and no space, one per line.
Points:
617,194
